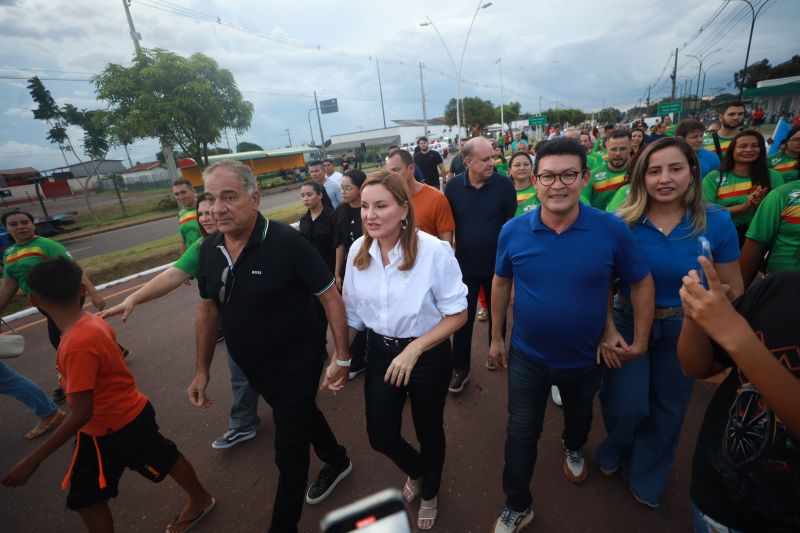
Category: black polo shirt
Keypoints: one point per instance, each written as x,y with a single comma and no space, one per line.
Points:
428,162
269,318
322,234
479,215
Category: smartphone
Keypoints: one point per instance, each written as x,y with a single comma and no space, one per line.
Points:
704,249
383,512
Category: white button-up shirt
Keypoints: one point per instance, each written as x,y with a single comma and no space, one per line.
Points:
404,303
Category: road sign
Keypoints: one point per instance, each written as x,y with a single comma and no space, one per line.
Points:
328,106
667,108
539,120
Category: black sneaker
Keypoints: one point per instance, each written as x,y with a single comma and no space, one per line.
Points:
458,380
232,437
326,481
58,396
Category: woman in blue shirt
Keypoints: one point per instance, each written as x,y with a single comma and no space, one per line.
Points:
644,399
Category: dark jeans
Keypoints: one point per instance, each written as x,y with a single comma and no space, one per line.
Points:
462,339
298,423
427,391
528,388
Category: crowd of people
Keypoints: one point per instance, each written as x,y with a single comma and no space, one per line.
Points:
591,240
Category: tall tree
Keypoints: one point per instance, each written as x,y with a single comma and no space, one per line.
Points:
245,146
511,112
474,111
184,102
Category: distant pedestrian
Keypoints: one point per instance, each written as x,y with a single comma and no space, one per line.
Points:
430,162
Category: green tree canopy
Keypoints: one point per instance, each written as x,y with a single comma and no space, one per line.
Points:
511,112
474,110
186,103
245,146
565,116
762,70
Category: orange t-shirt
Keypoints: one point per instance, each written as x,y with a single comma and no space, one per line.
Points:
432,211
89,358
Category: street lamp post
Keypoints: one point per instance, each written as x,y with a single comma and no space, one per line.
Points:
754,13
457,69
310,129
700,59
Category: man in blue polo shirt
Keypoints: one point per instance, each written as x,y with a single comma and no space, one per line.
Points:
481,201
561,258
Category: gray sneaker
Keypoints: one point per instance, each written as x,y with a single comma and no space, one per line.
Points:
575,466
232,437
511,521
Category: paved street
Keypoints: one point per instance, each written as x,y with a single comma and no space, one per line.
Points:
243,479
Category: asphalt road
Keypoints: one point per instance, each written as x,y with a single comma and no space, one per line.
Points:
121,239
243,479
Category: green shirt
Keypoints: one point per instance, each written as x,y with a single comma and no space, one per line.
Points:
669,131
189,262
603,185
777,224
724,143
19,260
619,197
527,200
189,227
500,166
730,190
596,159
784,164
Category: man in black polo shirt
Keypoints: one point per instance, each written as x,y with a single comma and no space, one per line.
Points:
280,347
429,162
482,201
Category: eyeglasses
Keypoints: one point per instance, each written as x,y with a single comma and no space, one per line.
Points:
347,188
567,178
225,292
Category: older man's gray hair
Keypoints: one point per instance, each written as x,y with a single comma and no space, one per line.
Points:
239,169
469,146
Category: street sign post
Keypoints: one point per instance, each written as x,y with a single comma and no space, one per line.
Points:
539,120
667,108
328,106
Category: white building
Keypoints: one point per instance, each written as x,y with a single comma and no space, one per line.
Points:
405,132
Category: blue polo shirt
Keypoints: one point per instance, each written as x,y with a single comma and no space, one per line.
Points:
561,282
479,215
708,161
671,256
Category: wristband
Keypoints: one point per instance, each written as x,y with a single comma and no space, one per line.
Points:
343,362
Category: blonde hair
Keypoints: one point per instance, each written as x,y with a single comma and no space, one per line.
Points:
396,186
635,205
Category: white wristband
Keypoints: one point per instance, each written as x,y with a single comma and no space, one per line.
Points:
343,362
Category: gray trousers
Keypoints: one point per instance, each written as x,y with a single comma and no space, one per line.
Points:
245,400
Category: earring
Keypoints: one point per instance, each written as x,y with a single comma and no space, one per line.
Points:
403,224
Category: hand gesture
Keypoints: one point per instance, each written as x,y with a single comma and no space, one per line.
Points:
498,354
98,301
21,472
710,308
125,308
399,371
336,376
613,350
197,391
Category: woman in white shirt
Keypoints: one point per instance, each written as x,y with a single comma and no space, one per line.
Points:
406,291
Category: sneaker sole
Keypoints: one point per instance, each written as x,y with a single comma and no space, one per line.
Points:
572,477
225,445
344,474
459,389
491,366
525,521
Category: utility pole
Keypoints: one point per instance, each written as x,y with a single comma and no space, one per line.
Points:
754,13
502,121
169,158
539,128
130,163
289,133
424,111
674,74
648,99
319,120
380,88
310,130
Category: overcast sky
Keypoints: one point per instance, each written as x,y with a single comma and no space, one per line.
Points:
571,53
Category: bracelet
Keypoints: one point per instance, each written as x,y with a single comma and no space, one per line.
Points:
343,362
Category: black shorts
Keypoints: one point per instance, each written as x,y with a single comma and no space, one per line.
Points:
138,446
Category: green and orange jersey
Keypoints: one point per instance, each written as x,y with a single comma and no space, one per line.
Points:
670,130
189,262
596,159
527,200
619,197
729,190
724,143
784,164
776,224
189,226
603,185
19,259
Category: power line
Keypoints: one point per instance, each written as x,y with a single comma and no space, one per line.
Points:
43,79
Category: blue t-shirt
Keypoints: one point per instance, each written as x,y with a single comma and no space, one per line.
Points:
671,256
561,282
708,161
479,214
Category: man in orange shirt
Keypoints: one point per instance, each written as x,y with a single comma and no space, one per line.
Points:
113,421
431,208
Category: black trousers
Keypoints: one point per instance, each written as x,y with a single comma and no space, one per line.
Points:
298,423
427,390
462,339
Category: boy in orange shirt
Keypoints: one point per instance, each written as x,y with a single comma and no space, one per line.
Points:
114,422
